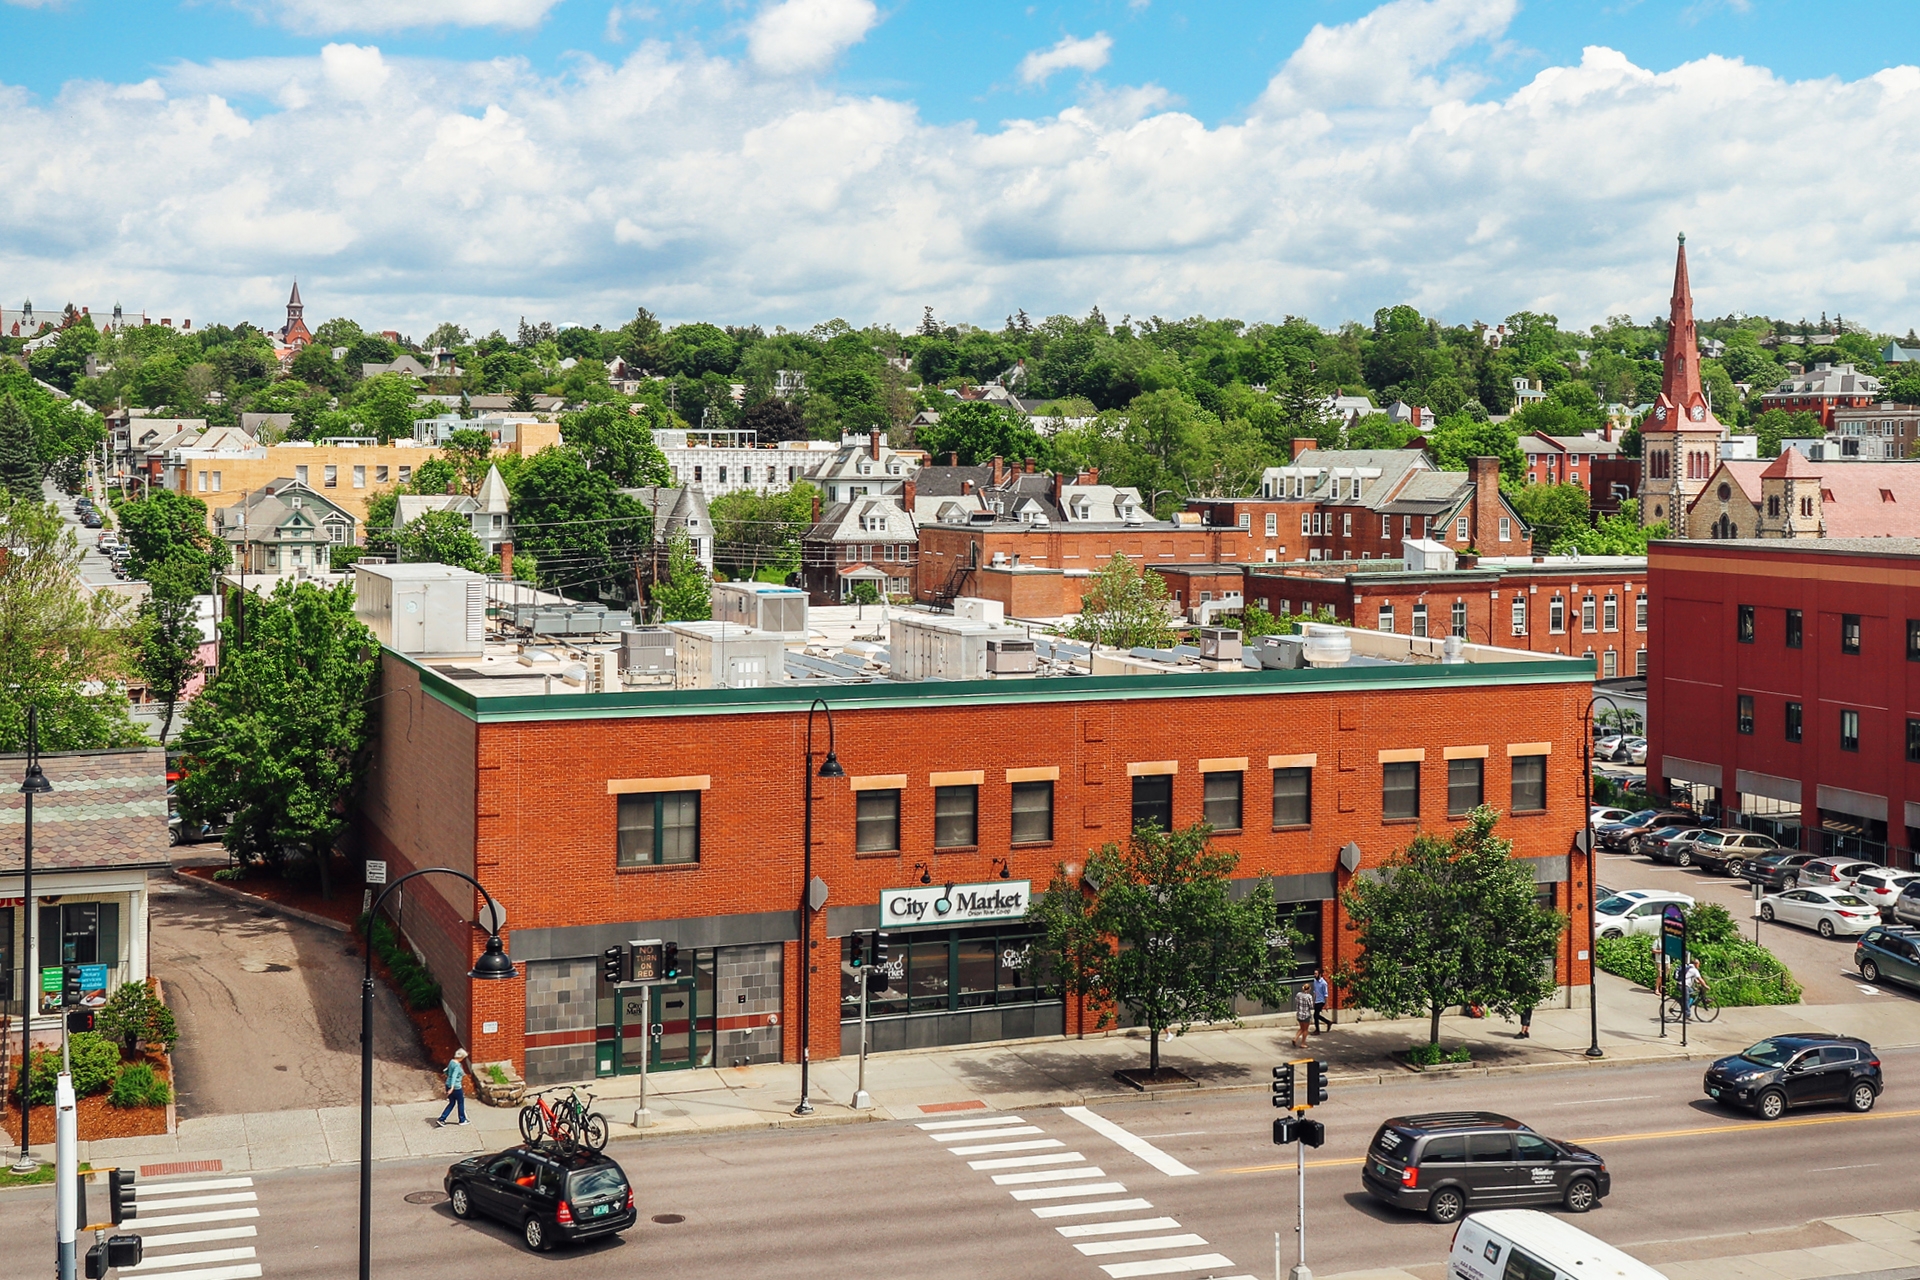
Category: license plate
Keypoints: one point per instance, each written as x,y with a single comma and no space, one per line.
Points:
600,1210
1713,1093
1383,1171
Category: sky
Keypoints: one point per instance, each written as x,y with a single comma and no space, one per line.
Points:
789,161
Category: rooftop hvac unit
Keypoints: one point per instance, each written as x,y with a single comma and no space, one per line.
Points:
1220,644
550,621
1011,658
646,651
603,671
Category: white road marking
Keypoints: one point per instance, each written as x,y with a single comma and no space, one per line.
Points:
1132,1143
1594,1102
1838,1167
1872,991
244,1271
1115,1228
978,1122
1097,1206
1184,1133
1167,1266
1100,1248
989,1148
974,1135
193,1259
1024,1162
231,1197
1061,1193
1045,1175
146,1191
171,1239
211,1215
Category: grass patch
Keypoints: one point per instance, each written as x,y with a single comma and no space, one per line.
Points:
39,1177
496,1073
1432,1055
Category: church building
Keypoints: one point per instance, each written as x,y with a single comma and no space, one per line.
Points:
1681,437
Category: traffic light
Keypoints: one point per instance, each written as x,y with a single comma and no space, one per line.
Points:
1310,1132
79,1019
857,951
670,961
1282,1092
120,1206
613,964
97,1262
1316,1082
879,950
1285,1130
70,986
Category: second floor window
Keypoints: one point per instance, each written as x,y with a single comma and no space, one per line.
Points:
1587,615
1223,801
659,828
1153,801
1386,617
1793,628
1849,730
1744,713
1465,786
1460,618
1557,615
1529,784
1913,639
1640,612
1849,633
1610,614
1400,791
1793,722
1032,812
1273,524
1519,616
956,817
876,822
1913,741
1292,797
1420,620
1745,631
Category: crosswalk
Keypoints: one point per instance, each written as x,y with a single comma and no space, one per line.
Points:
196,1229
1089,1208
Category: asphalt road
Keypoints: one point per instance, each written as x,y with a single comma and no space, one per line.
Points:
1690,1181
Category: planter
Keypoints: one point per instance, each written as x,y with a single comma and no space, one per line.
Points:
1433,1067
509,1094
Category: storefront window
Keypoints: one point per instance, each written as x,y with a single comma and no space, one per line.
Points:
974,966
79,933
947,970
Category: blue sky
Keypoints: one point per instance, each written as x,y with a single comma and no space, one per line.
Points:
783,161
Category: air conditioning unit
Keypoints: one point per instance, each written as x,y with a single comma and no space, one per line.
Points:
1012,658
1220,644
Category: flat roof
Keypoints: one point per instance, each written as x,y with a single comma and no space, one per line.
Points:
1892,548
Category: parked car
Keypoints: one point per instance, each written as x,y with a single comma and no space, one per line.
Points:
1630,834
1637,753
1672,844
1728,849
1775,871
1443,1163
1826,911
1881,886
1833,873
1607,748
91,518
1526,1242
180,832
1888,953
1906,907
1599,816
1637,911
1797,1071
549,1194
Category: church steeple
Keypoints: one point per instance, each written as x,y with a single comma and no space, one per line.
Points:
295,335
1680,381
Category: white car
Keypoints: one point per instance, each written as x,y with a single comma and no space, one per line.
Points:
1637,753
1827,911
1599,815
1882,887
1636,911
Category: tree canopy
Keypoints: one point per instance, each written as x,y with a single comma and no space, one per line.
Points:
1125,607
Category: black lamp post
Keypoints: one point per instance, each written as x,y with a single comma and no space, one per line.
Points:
33,784
829,768
494,965
1593,942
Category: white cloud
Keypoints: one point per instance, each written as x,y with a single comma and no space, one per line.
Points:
1071,54
404,191
331,17
796,36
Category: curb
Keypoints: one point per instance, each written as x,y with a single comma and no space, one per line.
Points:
264,904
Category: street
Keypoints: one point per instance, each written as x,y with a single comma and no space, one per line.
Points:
1690,1181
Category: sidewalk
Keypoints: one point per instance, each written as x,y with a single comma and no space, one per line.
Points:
1037,1073
1881,1246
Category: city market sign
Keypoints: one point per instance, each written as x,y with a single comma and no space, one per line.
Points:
960,904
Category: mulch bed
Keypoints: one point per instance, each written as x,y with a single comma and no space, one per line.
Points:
98,1117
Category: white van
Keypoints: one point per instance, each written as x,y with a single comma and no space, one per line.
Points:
1525,1244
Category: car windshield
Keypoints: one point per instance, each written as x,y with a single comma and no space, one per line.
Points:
1848,899
1616,906
1641,816
1770,1053
595,1184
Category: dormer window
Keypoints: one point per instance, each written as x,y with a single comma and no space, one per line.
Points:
294,500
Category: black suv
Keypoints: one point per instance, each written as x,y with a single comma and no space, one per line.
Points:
1445,1163
550,1193
1775,872
1797,1071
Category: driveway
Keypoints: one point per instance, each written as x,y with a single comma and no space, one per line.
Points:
269,1010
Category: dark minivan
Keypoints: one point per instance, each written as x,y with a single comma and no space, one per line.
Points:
549,1193
1445,1163
1808,1070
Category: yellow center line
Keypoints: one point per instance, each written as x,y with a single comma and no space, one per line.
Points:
1698,1132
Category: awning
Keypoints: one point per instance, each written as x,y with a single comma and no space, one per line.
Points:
1913,813
1857,803
1749,783
1684,770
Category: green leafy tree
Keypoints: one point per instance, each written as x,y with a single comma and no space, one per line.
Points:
617,444
19,461
470,450
1458,440
980,431
386,405
586,536
685,593
134,1016
1164,936
1551,511
442,537
1776,425
753,530
1125,607
1615,535
164,525
167,635
280,736
1448,922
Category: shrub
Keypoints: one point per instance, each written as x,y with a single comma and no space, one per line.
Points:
415,982
1428,1055
1738,970
140,1086
96,1060
134,1015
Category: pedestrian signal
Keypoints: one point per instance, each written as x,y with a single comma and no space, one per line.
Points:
1285,1130
1311,1132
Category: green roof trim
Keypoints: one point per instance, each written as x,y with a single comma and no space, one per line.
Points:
796,696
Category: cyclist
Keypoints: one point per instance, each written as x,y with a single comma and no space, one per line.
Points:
1695,984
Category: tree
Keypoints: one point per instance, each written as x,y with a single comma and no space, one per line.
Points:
774,421
167,636
1458,440
980,431
685,594
470,450
60,645
754,530
19,462
617,444
442,537
1125,607
279,738
386,406
134,1016
1164,936
1776,425
165,524
585,535
1551,511
1451,921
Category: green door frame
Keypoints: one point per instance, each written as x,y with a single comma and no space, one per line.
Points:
654,1063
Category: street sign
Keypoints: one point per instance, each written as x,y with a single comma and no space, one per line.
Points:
1673,932
376,871
646,961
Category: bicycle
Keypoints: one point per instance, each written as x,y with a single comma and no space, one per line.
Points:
566,1121
1705,1009
590,1125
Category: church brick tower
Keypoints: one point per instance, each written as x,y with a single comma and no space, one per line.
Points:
1680,439
295,335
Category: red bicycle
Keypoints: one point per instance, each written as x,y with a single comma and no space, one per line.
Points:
566,1121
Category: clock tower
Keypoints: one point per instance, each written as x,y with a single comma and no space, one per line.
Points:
1680,439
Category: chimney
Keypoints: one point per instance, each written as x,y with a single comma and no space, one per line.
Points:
1300,446
873,444
966,488
1059,484
908,491
506,560
1029,466
816,506
953,459
1486,502
999,471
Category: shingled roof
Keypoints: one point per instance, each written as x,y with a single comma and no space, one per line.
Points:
107,810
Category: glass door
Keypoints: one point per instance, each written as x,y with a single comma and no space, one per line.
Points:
679,1042
630,1029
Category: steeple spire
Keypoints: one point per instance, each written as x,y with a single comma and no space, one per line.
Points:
1680,380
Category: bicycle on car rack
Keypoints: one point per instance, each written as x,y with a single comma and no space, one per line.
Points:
566,1120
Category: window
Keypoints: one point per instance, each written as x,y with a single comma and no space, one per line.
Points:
1153,800
1506,529
1849,730
406,474
1386,526
1794,630
1316,521
1610,613
1744,713
300,474
1346,524
1306,524
1032,812
1793,722
1586,614
1460,529
1420,619
1913,741
1773,506
1806,508
216,482
1460,618
1465,786
1529,784
359,477
876,822
1400,791
956,817
337,532
332,477
379,475
1639,662
1557,616
1745,629
1522,1266
1246,519
1519,615
1640,612
659,828
1273,524
1223,800
1292,797
1849,633
1386,618
1609,665
79,933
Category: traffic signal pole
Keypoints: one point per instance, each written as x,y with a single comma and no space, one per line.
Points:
861,1102
1300,1271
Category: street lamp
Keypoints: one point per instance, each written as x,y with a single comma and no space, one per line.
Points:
493,966
1593,942
829,768
33,784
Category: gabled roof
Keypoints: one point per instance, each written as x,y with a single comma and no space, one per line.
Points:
673,509
493,496
1868,499
841,521
1790,465
1745,473
107,810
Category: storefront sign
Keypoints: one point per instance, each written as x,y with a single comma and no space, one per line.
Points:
962,904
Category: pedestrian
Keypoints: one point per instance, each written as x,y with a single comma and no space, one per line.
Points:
1302,1015
456,1078
1526,1022
1320,993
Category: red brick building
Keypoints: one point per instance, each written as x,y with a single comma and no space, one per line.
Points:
601,819
1784,687
1822,390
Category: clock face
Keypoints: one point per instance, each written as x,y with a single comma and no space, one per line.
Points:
1699,412
1661,413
